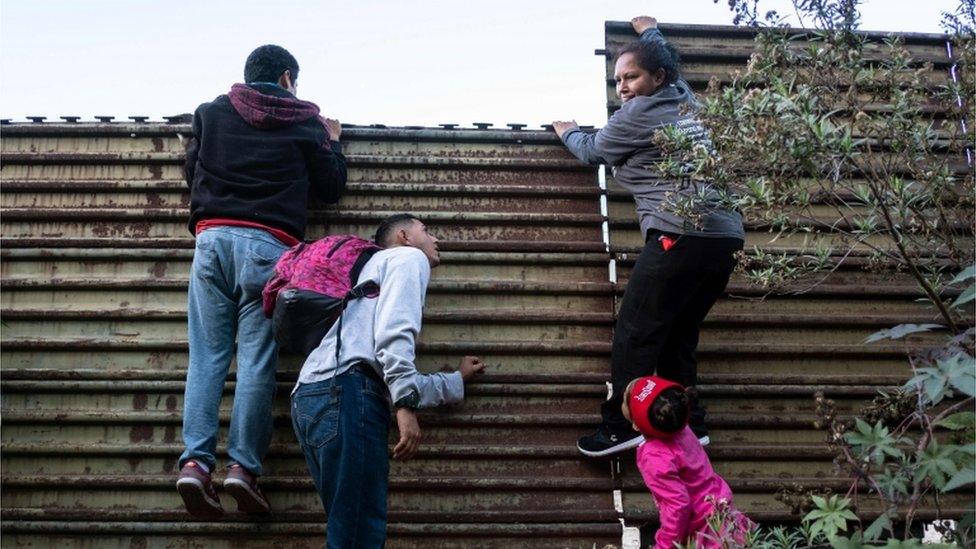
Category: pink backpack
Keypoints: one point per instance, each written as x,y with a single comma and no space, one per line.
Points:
311,286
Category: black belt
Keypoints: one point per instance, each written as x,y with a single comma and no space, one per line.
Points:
369,371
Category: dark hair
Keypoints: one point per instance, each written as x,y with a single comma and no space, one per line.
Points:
267,63
652,56
669,413
390,224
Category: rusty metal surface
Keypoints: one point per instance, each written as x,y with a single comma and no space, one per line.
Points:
95,263
715,51
94,258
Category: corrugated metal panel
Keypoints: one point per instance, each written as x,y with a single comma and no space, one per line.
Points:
716,51
777,352
95,264
95,259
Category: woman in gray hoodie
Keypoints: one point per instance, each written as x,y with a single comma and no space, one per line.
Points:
685,264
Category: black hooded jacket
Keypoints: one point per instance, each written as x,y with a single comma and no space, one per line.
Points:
257,154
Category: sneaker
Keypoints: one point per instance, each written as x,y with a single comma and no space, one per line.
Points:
197,491
243,486
605,442
704,441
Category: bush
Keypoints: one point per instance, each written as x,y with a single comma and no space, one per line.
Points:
830,134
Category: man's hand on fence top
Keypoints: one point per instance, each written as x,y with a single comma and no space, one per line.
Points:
470,366
563,126
409,434
334,128
643,22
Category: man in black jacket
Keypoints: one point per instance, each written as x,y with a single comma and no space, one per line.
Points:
256,155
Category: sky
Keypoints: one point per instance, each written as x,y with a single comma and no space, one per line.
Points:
423,62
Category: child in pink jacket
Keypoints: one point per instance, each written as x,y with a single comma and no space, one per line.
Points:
675,468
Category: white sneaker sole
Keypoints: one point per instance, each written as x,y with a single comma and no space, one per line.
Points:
620,447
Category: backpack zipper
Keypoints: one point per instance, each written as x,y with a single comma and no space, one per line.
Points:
337,244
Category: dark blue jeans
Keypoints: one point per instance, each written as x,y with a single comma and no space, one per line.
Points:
342,425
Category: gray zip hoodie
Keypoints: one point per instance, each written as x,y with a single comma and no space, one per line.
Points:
625,143
383,332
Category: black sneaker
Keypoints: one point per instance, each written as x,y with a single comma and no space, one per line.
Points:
605,442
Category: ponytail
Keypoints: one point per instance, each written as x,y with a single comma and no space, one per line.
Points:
669,413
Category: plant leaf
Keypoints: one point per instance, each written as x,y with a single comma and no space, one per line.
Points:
965,297
960,371
962,478
966,274
900,331
819,501
957,372
935,463
846,514
841,542
957,421
880,524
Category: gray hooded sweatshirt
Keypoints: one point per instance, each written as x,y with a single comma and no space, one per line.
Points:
383,332
625,143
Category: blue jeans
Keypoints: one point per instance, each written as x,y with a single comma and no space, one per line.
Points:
230,267
342,425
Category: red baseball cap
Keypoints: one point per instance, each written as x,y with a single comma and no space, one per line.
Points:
642,397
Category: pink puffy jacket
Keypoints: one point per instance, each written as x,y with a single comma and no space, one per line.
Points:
680,478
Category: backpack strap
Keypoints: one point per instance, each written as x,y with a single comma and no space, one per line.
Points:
368,289
357,267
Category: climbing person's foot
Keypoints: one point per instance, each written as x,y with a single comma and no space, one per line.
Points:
196,488
243,487
605,442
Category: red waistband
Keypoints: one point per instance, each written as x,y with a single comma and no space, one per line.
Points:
282,236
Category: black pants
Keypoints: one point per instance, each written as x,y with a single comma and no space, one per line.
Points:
667,298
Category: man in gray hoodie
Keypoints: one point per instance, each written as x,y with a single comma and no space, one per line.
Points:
341,409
